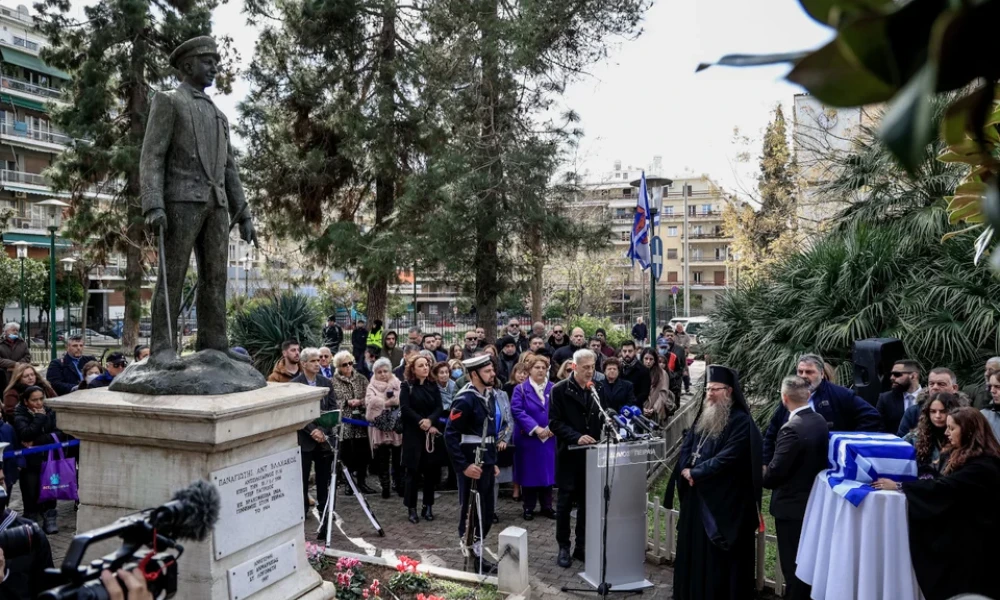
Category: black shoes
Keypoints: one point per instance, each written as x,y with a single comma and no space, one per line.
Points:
427,513
386,489
579,554
548,513
564,559
363,487
486,568
529,515
413,516
49,525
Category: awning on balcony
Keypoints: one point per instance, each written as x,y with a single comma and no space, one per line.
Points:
27,189
35,241
22,102
30,61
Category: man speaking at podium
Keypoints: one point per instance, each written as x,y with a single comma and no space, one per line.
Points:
575,420
718,477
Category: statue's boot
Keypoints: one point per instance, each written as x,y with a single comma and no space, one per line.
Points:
238,357
165,359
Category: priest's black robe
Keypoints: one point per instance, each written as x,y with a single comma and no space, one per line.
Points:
720,513
954,527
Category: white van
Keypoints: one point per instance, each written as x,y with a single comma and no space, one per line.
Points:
692,326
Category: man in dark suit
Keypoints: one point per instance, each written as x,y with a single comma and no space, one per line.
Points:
575,420
191,192
66,373
800,453
891,405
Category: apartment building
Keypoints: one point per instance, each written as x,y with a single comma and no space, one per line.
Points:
819,134
613,199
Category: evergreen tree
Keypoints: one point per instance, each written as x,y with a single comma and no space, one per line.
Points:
493,69
764,235
334,126
117,56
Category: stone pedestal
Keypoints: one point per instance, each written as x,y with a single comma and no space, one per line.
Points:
136,451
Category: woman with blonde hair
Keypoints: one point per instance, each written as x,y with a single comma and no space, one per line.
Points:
383,412
24,376
350,388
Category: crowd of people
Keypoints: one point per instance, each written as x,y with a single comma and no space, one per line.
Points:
410,395
725,463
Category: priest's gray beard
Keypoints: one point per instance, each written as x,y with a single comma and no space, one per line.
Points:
713,418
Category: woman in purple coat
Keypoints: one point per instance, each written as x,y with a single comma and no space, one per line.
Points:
535,446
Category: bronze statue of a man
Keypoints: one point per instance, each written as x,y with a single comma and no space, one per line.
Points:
191,193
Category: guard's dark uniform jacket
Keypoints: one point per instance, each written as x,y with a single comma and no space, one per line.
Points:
462,436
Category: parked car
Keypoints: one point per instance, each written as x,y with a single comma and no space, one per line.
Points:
89,336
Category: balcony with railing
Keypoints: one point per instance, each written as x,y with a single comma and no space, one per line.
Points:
696,236
21,85
41,182
698,214
20,131
708,259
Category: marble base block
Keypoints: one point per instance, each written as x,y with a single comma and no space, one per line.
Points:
136,451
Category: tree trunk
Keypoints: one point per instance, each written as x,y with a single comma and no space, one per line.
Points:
385,157
137,112
490,196
537,275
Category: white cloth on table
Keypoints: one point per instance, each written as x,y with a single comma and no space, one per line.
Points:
856,552
858,459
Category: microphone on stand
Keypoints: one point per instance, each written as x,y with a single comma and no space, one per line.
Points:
637,414
626,428
627,413
608,421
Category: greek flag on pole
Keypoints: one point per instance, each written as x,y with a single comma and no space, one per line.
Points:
638,249
858,459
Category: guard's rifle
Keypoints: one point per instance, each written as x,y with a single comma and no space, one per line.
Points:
474,503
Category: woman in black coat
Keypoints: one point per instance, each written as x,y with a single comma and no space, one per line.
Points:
34,423
420,406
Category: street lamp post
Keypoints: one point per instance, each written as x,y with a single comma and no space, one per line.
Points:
246,275
22,253
68,269
54,208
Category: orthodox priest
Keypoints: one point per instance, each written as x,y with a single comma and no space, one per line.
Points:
718,478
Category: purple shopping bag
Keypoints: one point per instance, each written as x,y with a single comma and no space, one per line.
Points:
58,477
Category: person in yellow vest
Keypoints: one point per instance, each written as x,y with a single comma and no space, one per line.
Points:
375,334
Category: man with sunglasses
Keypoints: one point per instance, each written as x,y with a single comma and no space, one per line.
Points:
471,345
557,339
514,331
891,405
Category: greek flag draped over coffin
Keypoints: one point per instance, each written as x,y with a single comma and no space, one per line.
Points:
858,459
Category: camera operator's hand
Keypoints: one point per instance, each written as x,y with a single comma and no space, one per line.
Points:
134,582
318,435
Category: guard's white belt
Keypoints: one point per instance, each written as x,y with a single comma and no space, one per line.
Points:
475,439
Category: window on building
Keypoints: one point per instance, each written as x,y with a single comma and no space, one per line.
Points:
692,210
627,192
695,253
720,254
672,253
622,213
625,236
432,309
668,211
696,231
671,232
696,276
671,276
706,209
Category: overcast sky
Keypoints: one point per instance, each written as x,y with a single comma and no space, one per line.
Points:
646,99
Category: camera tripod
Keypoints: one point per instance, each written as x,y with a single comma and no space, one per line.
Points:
328,511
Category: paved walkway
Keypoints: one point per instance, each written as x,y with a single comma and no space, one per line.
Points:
437,542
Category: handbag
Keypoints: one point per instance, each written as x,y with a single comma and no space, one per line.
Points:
389,421
58,481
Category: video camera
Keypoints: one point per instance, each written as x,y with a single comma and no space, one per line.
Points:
148,543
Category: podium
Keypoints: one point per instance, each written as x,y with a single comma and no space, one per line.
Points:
626,518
